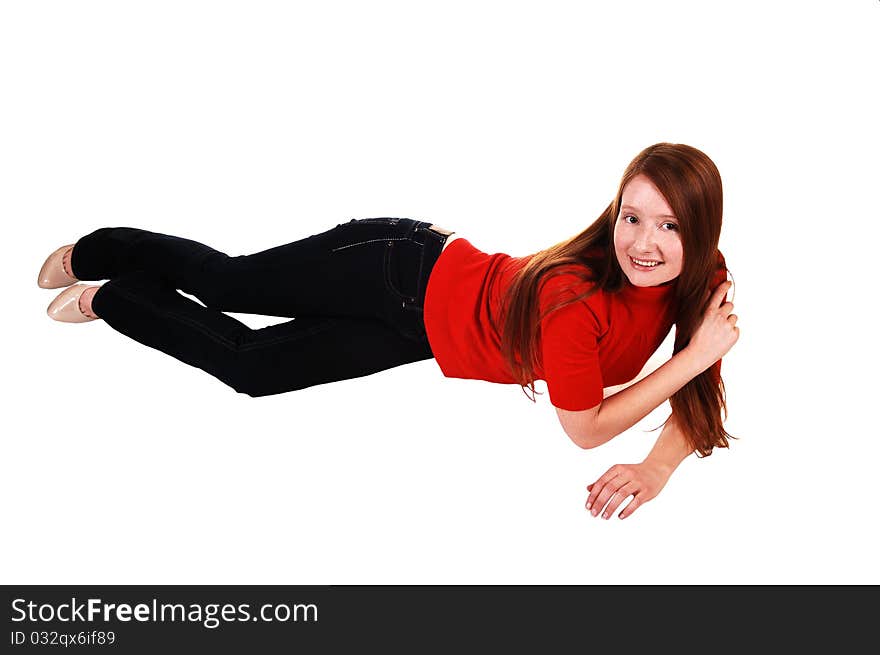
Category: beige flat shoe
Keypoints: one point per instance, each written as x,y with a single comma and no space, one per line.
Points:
65,307
52,275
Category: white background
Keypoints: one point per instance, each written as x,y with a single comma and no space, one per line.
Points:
245,125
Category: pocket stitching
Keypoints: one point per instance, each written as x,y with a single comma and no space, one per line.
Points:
387,273
360,243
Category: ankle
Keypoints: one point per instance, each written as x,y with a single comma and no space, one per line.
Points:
65,262
85,302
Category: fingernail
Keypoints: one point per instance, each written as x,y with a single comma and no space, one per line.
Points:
589,505
605,515
594,512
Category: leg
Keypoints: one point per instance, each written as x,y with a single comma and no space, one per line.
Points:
368,268
301,353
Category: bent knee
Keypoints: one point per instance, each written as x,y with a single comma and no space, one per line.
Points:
258,385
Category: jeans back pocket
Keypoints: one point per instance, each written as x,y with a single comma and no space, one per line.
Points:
403,262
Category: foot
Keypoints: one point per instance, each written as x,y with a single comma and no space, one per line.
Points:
74,304
85,301
56,272
65,262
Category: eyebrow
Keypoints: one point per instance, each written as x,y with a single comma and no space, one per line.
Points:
630,207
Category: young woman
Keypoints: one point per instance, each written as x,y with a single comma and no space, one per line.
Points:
371,294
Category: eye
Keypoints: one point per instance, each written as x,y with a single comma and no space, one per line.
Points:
673,227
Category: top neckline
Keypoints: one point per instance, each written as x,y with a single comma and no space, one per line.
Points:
651,295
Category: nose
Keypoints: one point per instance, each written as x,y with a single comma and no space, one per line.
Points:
645,239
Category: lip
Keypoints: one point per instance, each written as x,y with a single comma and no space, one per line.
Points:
639,267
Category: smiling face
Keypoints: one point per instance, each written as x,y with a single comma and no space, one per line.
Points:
646,230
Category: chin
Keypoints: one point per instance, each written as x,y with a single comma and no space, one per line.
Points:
646,281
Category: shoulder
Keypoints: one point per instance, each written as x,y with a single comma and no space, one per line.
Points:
570,282
564,307
568,276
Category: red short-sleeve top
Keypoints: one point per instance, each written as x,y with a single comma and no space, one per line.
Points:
601,341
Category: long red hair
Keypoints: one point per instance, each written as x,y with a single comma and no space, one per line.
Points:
691,184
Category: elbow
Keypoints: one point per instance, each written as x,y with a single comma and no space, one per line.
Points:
585,442
582,426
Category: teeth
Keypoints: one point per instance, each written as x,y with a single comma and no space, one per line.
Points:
644,263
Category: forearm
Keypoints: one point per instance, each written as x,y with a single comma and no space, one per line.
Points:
671,447
621,411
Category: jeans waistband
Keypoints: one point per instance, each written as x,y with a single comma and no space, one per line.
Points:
432,246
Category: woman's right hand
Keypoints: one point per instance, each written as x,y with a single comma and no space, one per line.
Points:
717,332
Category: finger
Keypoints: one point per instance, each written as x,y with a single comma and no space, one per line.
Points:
631,507
593,496
614,501
719,294
606,494
597,487
617,498
732,318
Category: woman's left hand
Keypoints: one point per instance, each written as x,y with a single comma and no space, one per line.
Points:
642,482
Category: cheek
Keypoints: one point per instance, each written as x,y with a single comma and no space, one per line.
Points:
677,257
673,247
620,248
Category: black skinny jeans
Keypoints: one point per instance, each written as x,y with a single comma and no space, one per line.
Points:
355,293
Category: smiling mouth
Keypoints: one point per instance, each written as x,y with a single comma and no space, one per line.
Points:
645,263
